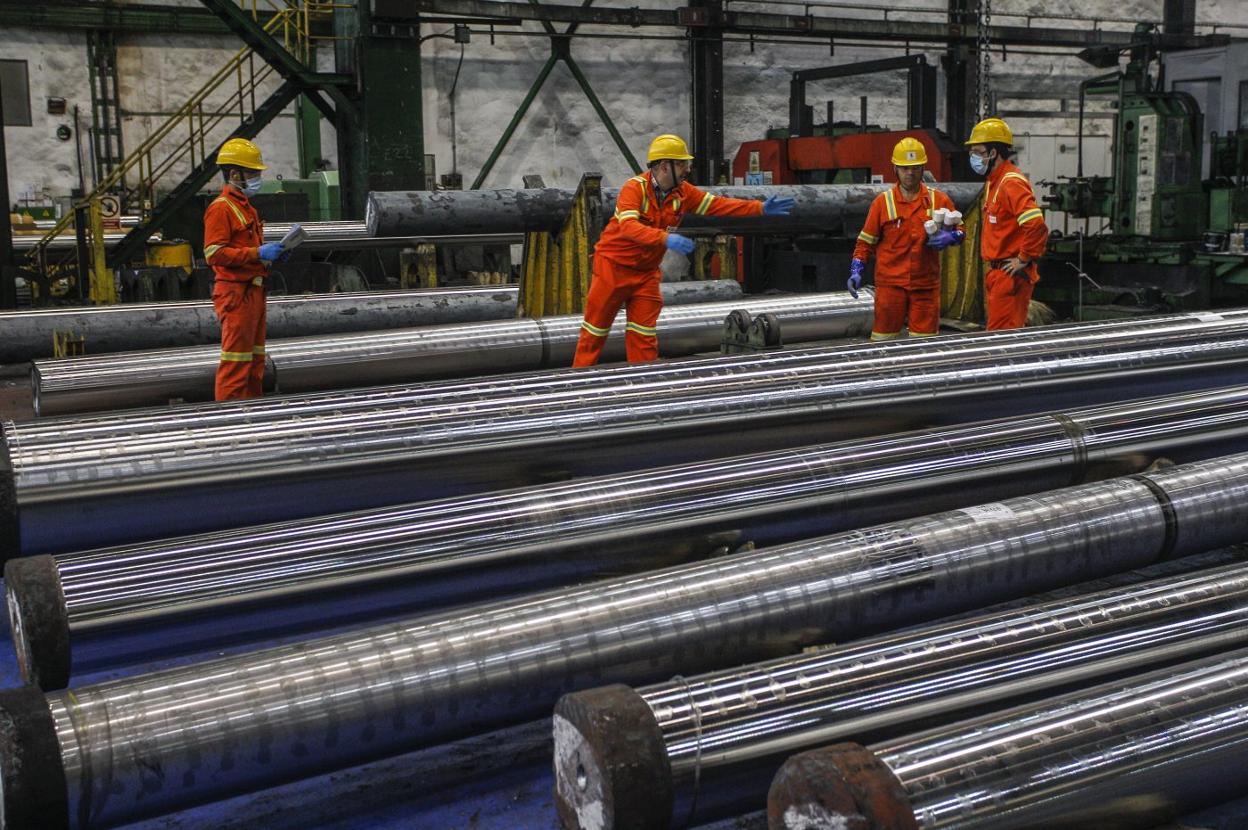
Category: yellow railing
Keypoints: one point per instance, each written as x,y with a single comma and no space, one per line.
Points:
291,24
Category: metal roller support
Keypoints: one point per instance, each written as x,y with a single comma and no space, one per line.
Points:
68,484
1133,753
153,743
710,745
91,610
133,379
828,208
28,334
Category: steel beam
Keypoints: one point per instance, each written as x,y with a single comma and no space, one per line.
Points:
115,751
706,60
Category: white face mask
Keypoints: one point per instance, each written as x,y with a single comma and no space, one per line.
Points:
979,164
252,186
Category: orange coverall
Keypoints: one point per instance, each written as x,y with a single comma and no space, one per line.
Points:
626,264
1013,226
907,271
233,234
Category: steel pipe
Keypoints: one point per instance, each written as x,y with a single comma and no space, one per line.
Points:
66,484
689,750
824,209
83,611
28,334
1133,753
153,743
133,379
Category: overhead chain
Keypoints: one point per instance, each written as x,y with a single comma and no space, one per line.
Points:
983,60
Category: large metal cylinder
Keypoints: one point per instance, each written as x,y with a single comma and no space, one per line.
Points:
80,612
829,208
28,334
1133,753
68,484
152,743
405,355
692,749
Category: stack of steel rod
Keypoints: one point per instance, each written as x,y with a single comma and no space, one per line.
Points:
114,751
92,609
1135,753
405,355
705,746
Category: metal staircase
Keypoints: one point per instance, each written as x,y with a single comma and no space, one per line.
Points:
106,144
239,100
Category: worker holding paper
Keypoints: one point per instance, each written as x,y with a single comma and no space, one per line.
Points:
234,247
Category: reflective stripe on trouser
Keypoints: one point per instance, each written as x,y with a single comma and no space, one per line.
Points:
613,287
240,308
1006,298
916,308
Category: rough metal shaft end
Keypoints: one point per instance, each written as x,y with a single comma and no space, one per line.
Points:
843,785
611,767
39,621
33,792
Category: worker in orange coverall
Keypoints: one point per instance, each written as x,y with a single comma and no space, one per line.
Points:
235,248
627,256
907,254
1013,234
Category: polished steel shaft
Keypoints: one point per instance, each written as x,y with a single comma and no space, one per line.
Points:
153,743
404,355
718,738
1133,753
86,610
823,209
123,477
26,335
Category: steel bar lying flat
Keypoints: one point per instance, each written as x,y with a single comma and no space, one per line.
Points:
829,208
405,355
107,753
693,749
1133,753
82,611
28,334
69,484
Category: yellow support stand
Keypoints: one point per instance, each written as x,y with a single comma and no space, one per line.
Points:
103,288
557,266
722,246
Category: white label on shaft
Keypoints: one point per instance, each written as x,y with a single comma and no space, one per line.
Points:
994,512
1209,317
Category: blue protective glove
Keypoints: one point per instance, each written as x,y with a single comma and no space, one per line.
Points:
778,206
270,251
943,239
286,255
679,244
856,267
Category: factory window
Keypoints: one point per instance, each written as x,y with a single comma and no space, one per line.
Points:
15,89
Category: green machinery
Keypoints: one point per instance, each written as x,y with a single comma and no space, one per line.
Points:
321,188
1167,239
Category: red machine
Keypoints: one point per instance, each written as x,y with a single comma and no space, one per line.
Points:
846,158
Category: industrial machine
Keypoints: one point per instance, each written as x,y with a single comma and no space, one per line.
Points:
1156,234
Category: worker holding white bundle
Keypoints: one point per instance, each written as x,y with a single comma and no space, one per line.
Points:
907,227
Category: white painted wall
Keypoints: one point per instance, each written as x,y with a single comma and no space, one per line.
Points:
642,83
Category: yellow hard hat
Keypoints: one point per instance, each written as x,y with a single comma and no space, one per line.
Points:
241,153
668,147
909,152
990,131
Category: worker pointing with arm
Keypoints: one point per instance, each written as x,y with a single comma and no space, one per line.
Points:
627,256
234,246
907,227
1013,234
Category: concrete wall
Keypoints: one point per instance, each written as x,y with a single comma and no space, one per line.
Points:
643,83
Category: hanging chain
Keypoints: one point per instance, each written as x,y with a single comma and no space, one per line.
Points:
983,60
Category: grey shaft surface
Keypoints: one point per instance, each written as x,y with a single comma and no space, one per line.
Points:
156,742
402,355
1171,740
118,328
830,208
130,476
547,535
